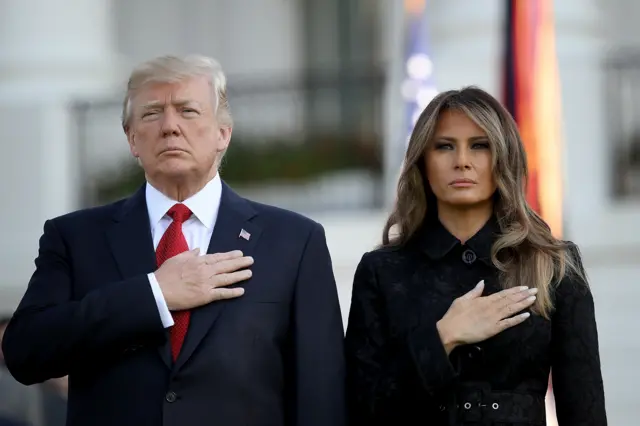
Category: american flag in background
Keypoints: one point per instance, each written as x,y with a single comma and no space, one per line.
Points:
418,87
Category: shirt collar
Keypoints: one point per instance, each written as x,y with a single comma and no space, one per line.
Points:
437,241
204,204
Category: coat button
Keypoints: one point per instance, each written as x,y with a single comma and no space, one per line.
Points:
171,397
468,257
474,352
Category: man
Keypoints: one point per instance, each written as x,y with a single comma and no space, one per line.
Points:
184,304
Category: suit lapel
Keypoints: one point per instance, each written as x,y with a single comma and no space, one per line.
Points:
233,217
130,237
132,245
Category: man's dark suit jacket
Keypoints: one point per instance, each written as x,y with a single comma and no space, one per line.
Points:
272,357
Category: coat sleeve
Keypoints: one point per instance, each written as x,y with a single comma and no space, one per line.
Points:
51,333
318,335
383,371
576,375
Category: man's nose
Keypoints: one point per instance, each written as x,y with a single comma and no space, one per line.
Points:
170,124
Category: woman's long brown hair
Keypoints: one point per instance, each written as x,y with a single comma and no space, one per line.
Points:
526,252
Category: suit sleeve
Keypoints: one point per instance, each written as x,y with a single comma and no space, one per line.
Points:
576,375
51,333
318,339
388,376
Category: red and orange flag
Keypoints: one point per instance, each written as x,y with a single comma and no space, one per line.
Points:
532,95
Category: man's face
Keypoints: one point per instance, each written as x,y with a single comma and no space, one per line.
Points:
174,131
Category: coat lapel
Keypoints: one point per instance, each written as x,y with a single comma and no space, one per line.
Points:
233,218
132,245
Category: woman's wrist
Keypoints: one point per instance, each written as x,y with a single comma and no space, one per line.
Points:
446,337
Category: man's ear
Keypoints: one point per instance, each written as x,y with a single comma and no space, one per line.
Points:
131,138
224,137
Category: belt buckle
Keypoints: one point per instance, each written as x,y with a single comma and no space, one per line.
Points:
493,406
475,405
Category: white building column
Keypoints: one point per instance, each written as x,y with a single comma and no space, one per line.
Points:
51,53
580,61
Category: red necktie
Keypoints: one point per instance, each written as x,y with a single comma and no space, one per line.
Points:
171,244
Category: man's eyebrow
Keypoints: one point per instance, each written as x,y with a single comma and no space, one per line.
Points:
152,104
177,102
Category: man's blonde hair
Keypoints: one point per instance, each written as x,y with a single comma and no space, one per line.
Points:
173,69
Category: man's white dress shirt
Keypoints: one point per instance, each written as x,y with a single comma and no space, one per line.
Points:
197,229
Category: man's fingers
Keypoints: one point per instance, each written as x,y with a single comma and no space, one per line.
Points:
189,253
211,259
515,320
476,292
223,280
226,293
231,265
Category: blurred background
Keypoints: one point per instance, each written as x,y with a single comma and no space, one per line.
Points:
323,95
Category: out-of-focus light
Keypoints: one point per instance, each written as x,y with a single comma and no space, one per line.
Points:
414,6
419,67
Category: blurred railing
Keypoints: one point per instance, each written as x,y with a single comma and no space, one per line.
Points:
310,143
622,84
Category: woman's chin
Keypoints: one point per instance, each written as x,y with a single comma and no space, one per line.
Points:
470,201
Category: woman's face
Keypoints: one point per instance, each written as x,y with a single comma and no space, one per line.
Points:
458,163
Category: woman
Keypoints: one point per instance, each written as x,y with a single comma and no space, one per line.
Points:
470,302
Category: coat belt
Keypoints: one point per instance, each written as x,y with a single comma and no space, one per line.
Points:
477,403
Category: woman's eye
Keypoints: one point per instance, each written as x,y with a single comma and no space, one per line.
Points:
480,145
443,145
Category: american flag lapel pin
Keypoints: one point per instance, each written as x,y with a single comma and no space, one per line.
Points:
244,234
